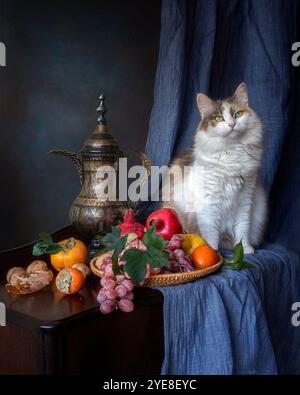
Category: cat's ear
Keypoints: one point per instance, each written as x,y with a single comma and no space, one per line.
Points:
241,94
205,104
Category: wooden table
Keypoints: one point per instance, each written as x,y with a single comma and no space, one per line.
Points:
49,333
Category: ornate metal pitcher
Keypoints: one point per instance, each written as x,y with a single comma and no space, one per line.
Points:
89,214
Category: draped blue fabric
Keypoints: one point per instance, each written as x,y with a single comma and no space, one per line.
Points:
235,322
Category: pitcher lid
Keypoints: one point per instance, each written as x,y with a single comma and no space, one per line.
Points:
101,143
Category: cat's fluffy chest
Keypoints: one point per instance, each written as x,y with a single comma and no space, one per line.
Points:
222,174
209,186
231,163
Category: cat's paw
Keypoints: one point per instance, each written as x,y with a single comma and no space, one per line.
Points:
248,250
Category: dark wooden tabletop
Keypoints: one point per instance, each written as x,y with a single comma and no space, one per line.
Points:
49,308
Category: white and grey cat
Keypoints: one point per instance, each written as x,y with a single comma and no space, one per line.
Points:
228,148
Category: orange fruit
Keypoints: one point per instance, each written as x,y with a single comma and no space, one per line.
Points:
204,256
74,251
69,280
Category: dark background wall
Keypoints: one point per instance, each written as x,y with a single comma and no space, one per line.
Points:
60,56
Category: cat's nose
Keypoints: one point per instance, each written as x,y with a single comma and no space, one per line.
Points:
231,124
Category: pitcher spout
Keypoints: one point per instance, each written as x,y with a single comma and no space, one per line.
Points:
71,156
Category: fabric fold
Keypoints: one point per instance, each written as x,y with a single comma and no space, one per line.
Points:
234,322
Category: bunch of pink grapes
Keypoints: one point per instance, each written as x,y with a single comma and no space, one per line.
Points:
116,291
179,261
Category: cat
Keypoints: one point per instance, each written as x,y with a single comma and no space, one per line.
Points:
227,148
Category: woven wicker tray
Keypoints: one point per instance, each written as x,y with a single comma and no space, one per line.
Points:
162,280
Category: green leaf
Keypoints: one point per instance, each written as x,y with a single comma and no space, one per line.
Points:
110,239
136,264
119,247
246,265
233,266
39,248
157,258
54,249
151,239
237,261
116,231
238,252
46,238
238,266
113,241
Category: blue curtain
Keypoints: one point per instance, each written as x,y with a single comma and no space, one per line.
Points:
235,322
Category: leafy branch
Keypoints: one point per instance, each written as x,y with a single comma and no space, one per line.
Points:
136,260
155,255
113,241
237,261
46,245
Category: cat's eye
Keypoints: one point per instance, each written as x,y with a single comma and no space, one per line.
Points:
238,114
218,118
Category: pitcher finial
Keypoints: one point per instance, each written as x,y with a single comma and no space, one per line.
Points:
101,110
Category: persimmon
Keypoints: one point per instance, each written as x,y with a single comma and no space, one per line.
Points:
204,256
69,280
74,251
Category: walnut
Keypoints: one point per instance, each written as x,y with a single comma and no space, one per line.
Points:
36,266
14,274
20,282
